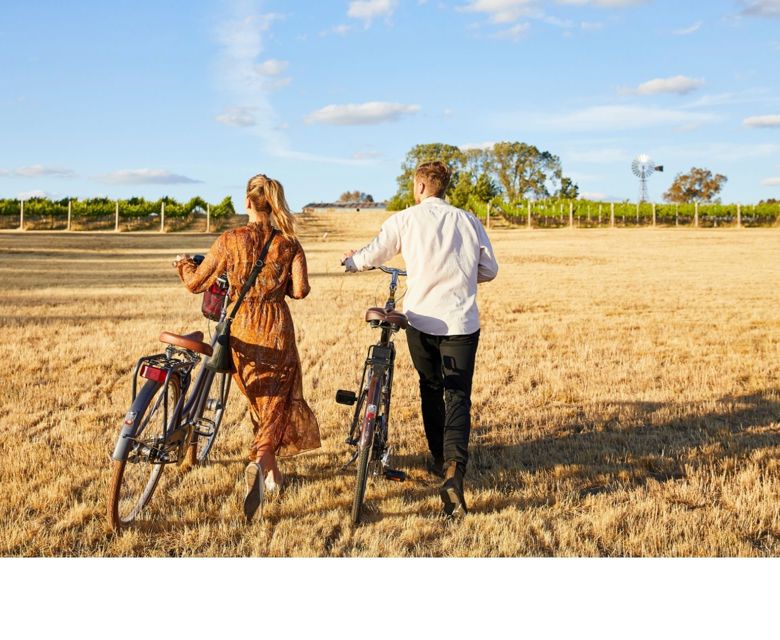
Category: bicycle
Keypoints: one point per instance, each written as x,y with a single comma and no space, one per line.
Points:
167,418
368,431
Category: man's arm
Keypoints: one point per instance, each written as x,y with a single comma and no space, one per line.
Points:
381,249
488,267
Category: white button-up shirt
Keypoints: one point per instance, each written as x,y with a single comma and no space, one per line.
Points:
447,252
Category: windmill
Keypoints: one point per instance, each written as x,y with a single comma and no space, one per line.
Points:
643,167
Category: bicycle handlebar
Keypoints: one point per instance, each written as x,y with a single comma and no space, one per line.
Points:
391,270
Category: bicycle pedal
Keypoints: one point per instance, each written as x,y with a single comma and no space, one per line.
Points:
395,475
346,397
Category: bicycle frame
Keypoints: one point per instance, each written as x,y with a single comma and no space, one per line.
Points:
188,412
379,365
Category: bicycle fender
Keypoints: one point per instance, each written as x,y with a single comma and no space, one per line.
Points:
132,419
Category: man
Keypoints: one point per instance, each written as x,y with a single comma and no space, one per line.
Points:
447,252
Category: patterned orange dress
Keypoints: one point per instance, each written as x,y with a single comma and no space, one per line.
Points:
268,369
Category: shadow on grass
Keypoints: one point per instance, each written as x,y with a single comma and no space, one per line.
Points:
606,457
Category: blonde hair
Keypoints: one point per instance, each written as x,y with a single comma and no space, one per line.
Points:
267,194
435,175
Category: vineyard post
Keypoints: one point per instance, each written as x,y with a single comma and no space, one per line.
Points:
696,214
116,217
571,215
612,214
529,213
208,217
70,212
638,204
488,215
654,214
599,215
739,215
677,215
21,214
162,217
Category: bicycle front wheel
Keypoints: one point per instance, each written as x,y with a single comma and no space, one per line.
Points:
134,479
366,445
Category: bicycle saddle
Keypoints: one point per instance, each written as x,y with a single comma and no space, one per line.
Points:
393,318
192,341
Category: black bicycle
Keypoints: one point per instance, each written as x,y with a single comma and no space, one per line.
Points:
173,418
368,431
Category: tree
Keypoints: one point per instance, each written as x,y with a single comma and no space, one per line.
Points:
524,170
355,196
569,189
459,196
450,155
698,185
485,189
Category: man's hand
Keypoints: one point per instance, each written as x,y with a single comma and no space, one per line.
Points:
346,260
181,258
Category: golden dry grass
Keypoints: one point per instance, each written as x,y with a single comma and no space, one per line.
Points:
626,401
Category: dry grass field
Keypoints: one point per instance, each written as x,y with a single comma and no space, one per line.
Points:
626,401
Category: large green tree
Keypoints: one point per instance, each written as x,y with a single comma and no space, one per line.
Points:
524,171
451,155
698,185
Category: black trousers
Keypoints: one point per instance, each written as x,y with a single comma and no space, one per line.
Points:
446,367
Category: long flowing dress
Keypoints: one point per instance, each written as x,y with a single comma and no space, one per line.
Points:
268,369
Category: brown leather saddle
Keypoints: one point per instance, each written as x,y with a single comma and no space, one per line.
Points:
377,316
192,341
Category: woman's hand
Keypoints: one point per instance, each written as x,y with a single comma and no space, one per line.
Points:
181,258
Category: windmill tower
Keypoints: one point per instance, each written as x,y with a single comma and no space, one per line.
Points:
643,167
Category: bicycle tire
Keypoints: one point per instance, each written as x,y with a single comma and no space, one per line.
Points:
366,448
130,490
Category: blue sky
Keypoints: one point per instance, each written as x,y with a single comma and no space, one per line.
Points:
192,98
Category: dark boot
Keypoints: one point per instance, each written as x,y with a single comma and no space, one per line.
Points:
451,492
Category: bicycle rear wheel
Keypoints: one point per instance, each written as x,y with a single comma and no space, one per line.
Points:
366,445
134,479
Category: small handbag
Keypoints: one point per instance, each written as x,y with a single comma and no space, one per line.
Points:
221,360
214,299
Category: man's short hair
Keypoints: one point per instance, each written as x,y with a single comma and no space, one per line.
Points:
435,175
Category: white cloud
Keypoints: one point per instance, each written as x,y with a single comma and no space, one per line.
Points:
771,182
38,171
680,85
237,117
145,176
272,67
361,114
606,118
762,122
241,37
480,146
761,8
369,9
35,193
338,30
4,172
686,31
595,196
505,11
515,32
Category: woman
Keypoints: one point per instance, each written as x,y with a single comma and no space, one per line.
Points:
267,367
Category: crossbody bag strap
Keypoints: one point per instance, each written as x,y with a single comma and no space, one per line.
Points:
252,276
